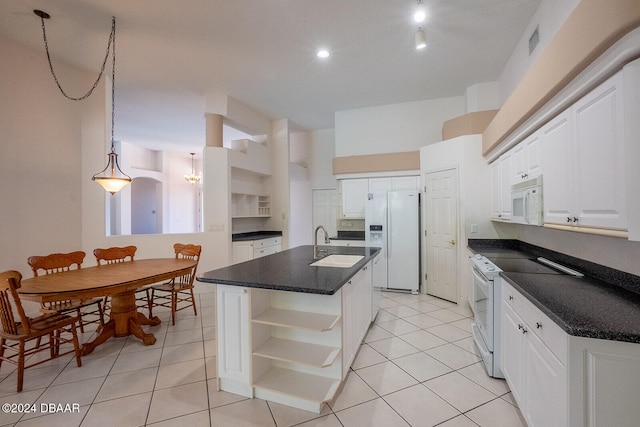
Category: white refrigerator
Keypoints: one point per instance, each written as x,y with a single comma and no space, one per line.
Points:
392,223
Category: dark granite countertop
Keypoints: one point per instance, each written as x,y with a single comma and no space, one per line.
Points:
289,270
603,304
254,235
349,235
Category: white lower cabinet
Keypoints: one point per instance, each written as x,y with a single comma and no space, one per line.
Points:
291,348
234,362
562,380
536,377
246,250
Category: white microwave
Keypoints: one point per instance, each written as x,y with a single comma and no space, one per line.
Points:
526,202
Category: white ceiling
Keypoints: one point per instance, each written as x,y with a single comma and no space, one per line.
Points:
262,52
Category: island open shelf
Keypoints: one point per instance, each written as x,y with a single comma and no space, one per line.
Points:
297,319
320,356
288,331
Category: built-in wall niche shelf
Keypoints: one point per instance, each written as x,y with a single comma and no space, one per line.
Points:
250,205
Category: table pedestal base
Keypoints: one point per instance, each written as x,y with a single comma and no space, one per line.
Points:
125,320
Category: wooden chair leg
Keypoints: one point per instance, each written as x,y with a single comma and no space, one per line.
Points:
76,345
2,343
79,315
174,306
52,347
20,365
193,302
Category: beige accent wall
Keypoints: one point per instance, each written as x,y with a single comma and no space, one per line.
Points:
469,124
389,162
594,26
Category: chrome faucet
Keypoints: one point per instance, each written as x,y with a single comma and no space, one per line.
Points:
315,241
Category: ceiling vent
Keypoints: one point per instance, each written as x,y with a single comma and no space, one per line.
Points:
534,40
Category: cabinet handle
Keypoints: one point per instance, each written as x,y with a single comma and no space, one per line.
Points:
538,325
511,299
520,326
575,219
524,330
568,219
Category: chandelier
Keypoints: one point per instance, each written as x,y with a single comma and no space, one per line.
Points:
111,178
192,178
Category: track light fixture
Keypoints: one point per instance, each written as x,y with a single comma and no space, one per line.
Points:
421,39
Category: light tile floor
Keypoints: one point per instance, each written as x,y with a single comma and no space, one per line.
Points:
417,367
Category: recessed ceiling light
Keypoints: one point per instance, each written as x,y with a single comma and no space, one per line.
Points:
323,53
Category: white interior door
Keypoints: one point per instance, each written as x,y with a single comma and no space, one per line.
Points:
441,225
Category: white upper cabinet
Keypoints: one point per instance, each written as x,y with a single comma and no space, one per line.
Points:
557,182
501,187
526,159
600,157
584,161
354,191
395,183
354,196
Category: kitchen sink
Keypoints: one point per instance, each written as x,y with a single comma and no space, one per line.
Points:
340,261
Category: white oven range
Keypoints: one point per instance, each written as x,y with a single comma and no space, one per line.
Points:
486,297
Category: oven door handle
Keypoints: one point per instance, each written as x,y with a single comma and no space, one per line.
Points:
478,275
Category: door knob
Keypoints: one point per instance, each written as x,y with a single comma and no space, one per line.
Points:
452,242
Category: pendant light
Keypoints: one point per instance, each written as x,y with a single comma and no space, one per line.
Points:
111,178
192,178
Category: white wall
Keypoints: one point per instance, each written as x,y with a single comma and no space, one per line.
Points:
474,181
322,152
395,127
41,141
549,17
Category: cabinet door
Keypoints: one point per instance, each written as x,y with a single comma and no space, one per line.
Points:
600,157
348,349
501,180
546,386
557,182
496,196
234,351
512,352
518,163
405,183
379,185
354,196
533,156
242,251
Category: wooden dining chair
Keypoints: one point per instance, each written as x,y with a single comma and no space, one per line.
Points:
177,290
115,255
16,334
84,308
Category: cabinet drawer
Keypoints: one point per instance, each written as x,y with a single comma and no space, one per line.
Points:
260,252
547,330
513,298
536,321
263,243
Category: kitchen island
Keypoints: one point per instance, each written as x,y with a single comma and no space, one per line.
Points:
288,331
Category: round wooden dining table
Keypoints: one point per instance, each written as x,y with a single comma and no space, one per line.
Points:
118,281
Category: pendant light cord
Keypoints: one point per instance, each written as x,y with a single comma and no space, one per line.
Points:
112,41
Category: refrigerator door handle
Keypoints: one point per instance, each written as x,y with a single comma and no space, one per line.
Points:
389,239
